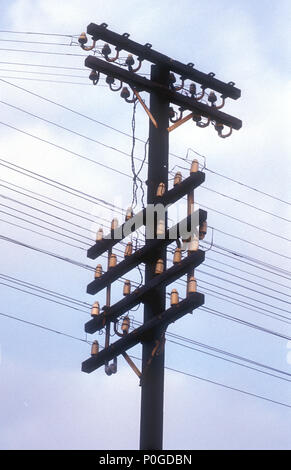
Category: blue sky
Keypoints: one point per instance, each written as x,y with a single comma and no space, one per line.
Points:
46,402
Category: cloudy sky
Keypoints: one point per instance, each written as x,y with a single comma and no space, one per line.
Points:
46,402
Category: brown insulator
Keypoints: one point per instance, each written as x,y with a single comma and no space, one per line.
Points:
125,325
106,50
128,250
129,213
202,230
194,166
178,178
99,235
130,60
212,98
94,348
159,267
125,93
82,39
174,297
191,285
161,189
177,256
126,288
112,261
98,271
95,309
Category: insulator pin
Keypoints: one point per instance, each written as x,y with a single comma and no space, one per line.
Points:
94,348
126,288
174,297
95,309
98,271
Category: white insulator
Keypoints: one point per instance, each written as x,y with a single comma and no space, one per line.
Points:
114,223
161,227
193,244
99,235
95,309
202,230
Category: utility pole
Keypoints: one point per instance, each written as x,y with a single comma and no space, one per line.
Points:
163,92
152,385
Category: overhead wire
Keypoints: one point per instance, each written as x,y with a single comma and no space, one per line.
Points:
166,367
128,135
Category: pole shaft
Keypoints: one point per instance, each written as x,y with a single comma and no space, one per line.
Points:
152,383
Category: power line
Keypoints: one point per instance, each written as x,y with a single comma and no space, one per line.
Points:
42,52
49,81
106,220
250,243
65,149
133,357
63,187
247,223
244,322
68,130
245,203
44,43
213,349
229,360
39,34
247,186
246,305
42,65
126,154
81,194
140,140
